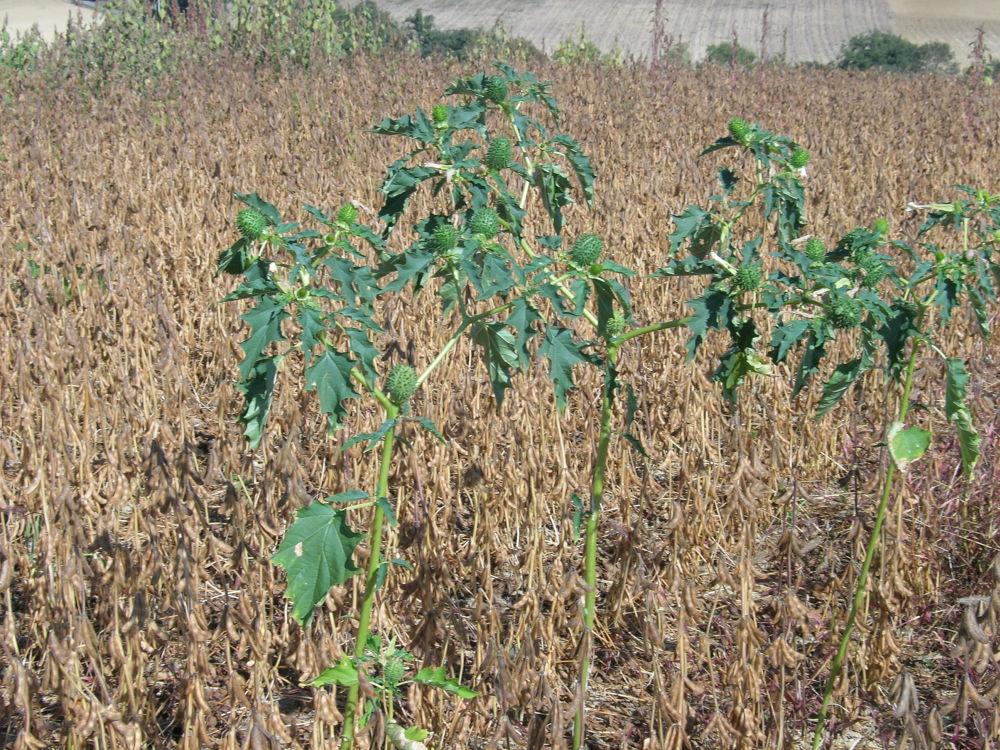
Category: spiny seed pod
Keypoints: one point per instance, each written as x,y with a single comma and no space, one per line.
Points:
444,238
799,158
739,129
495,89
882,227
347,214
440,115
616,325
586,250
393,673
875,271
251,223
401,384
499,154
844,313
815,249
748,278
485,222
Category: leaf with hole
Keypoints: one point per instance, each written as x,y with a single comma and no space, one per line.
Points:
316,553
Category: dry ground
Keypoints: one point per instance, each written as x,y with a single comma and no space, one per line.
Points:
49,15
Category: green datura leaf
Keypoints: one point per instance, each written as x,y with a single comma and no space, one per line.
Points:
907,444
316,553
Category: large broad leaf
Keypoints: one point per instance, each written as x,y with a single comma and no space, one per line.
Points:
786,336
896,332
345,674
400,183
563,354
956,408
581,166
312,323
840,381
522,319
436,677
265,328
712,310
812,356
907,444
255,201
697,226
415,126
555,189
330,377
316,554
499,354
258,390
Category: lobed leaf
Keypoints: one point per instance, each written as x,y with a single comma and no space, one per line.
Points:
316,555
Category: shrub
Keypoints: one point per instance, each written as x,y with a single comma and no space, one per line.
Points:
889,52
729,53
584,50
19,52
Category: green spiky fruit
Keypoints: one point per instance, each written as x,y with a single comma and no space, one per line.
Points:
799,157
401,384
844,313
347,214
739,129
395,670
444,238
748,278
882,227
586,250
485,222
875,271
440,115
251,223
616,325
495,89
815,250
499,154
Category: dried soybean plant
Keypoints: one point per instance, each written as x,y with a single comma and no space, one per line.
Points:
468,254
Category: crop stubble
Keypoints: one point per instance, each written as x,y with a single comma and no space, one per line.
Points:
139,607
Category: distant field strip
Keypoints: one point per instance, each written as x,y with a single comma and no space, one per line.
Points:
954,22
804,29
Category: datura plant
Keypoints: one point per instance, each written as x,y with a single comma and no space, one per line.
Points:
488,155
315,302
889,299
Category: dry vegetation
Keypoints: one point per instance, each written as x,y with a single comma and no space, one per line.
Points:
139,609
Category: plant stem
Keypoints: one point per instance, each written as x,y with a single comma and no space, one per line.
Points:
873,543
590,547
371,576
665,325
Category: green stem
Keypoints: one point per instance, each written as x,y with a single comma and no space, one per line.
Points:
587,314
371,576
873,543
590,547
663,326
450,343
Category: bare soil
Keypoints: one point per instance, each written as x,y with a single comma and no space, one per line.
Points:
48,15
